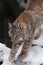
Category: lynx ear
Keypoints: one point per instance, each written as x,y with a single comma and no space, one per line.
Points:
9,25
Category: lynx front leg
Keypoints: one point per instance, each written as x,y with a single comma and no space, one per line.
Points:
37,33
13,52
25,50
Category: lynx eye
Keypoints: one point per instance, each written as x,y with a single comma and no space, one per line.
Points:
19,27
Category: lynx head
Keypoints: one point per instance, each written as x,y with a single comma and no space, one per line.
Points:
18,31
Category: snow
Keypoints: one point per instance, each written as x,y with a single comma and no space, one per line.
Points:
34,56
39,41
6,62
4,52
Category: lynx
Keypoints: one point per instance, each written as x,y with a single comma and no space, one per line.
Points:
27,27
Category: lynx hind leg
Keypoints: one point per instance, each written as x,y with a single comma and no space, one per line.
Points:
37,33
25,50
13,52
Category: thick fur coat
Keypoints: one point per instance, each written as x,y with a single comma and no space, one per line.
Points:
27,27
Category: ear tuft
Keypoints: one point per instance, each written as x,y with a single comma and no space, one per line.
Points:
9,25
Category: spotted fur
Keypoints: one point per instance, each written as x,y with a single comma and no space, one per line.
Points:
26,28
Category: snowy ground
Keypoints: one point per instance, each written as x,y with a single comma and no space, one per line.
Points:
34,57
